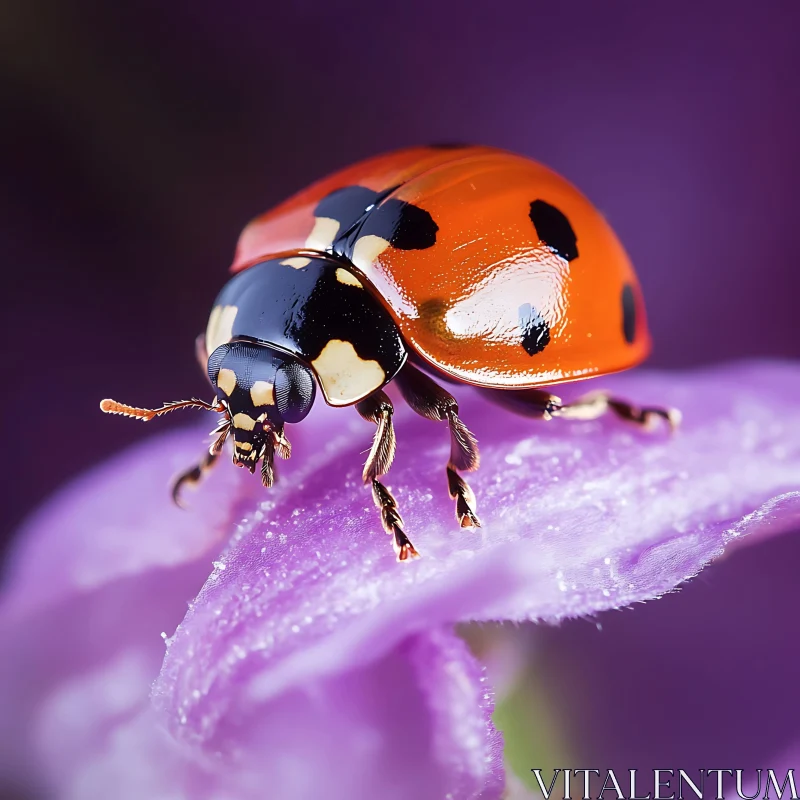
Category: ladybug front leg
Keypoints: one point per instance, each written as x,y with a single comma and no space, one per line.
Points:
377,408
429,400
194,475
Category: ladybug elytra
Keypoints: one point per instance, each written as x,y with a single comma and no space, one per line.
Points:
470,263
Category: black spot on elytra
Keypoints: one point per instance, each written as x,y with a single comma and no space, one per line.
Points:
364,212
628,313
554,230
403,225
535,330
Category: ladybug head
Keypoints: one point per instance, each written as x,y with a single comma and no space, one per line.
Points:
258,389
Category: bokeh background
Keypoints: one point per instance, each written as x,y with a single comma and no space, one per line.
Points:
139,137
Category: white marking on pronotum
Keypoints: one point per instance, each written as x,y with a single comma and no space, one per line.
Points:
344,375
343,276
296,262
325,230
220,326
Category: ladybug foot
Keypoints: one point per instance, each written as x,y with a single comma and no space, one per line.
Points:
403,547
193,476
595,404
648,417
466,504
392,522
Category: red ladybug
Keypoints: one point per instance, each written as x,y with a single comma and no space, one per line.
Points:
470,263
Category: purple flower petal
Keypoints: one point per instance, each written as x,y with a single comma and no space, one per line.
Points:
576,518
412,724
308,617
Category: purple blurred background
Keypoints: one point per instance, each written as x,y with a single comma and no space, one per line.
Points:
145,134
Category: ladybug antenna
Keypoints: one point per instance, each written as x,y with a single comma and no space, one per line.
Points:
146,414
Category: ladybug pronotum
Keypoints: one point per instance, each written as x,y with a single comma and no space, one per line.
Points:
470,263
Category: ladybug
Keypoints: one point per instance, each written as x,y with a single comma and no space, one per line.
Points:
467,263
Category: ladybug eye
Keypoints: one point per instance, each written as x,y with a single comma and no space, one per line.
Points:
294,391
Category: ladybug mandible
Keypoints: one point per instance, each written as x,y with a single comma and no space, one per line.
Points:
470,263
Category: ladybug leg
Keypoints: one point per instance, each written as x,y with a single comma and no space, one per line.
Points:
429,400
533,403
595,404
539,404
378,408
195,474
267,456
276,443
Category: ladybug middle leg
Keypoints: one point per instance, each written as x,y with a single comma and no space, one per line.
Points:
429,400
539,404
378,408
